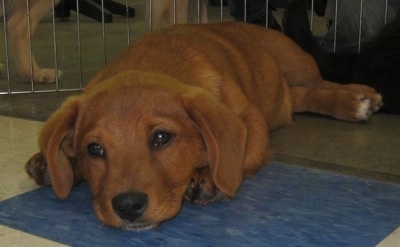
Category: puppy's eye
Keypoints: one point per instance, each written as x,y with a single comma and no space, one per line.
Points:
160,138
96,150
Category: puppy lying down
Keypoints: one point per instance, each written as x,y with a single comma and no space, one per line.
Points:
184,113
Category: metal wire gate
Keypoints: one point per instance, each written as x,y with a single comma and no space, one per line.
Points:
79,45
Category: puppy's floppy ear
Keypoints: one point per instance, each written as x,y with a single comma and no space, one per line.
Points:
56,144
224,135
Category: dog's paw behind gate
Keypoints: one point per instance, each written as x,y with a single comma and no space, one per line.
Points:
46,75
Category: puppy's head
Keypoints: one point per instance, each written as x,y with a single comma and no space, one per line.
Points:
137,138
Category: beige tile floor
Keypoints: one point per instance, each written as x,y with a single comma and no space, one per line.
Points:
18,143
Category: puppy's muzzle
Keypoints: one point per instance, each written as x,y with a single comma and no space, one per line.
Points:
130,205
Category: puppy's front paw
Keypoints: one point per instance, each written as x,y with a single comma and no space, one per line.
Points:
202,189
36,168
46,76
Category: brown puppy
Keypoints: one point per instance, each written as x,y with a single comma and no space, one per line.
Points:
16,14
186,106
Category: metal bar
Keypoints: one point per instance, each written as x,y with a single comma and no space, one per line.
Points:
174,11
312,16
335,27
221,13
128,31
28,13
198,11
7,66
386,11
55,45
360,26
42,91
103,32
266,14
244,10
150,15
78,24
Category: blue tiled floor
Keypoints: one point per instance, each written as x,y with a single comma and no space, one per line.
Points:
283,205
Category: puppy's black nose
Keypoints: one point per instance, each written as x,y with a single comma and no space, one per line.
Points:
130,206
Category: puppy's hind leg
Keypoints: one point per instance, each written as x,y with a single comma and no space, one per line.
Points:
348,105
367,91
310,93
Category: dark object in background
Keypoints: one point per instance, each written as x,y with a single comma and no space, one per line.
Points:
377,65
319,6
93,9
218,2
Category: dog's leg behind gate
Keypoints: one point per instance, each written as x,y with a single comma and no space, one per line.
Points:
197,11
19,32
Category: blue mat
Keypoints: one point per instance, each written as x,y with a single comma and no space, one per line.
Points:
282,205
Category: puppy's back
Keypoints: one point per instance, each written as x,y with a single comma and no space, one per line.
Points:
231,60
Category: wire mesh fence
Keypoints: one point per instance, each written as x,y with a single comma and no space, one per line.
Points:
79,36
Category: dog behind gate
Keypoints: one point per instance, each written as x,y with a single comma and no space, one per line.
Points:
167,12
15,13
